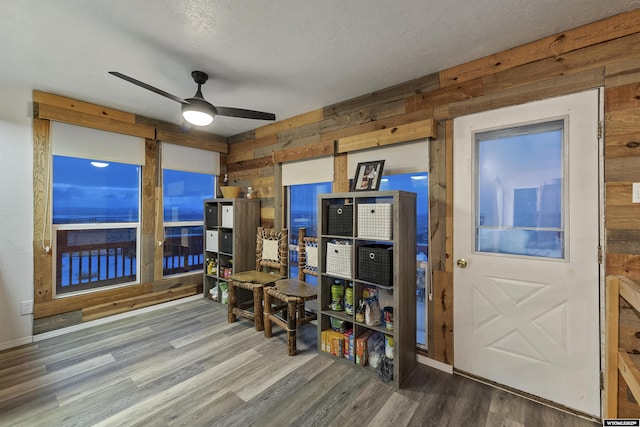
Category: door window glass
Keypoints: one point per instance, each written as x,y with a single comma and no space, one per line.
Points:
520,190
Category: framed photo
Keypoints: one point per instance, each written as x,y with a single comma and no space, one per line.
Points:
368,175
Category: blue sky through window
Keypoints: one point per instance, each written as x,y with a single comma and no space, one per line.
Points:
520,174
303,210
184,194
83,193
416,183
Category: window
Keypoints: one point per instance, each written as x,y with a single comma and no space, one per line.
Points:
519,190
303,212
417,183
96,207
403,170
304,180
183,197
188,178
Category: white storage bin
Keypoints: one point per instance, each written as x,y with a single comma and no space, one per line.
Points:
211,244
340,259
227,216
375,221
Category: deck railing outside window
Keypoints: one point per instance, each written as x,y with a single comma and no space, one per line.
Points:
183,253
90,258
95,258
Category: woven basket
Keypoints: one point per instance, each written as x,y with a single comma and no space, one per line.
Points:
375,221
375,264
340,259
340,220
226,241
230,192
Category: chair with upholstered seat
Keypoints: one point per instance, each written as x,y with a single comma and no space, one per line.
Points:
289,296
272,254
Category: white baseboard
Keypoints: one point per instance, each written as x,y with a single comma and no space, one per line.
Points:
16,343
109,319
435,364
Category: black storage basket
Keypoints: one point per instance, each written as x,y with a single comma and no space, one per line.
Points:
226,241
375,264
340,220
211,216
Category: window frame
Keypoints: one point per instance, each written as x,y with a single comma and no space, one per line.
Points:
56,227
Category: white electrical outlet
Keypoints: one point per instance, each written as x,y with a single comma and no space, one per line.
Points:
635,191
26,307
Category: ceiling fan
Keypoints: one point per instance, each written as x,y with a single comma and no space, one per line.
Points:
197,110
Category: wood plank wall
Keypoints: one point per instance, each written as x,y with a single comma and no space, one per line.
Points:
622,220
601,54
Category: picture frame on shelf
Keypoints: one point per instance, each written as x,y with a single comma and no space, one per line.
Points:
368,175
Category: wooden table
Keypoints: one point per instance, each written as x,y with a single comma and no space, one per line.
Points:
293,293
253,281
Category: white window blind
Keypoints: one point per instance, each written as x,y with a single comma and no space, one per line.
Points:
187,159
308,171
86,143
399,158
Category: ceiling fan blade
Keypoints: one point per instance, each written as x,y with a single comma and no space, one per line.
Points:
148,87
245,114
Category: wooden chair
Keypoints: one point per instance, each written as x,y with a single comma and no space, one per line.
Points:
272,253
289,296
307,254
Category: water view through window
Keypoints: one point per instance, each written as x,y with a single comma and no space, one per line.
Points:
86,194
95,207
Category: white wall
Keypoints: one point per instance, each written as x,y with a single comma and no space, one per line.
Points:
16,214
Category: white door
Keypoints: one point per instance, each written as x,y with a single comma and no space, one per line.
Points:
526,273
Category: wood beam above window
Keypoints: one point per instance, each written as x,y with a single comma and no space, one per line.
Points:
67,110
393,135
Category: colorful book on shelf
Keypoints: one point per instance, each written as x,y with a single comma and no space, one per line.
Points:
349,345
332,342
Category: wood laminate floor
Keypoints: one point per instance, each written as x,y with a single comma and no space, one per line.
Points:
184,365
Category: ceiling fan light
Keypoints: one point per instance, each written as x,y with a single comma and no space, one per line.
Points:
198,112
197,118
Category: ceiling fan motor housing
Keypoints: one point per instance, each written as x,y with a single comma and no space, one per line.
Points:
199,77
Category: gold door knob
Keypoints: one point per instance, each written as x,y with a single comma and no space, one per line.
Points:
462,263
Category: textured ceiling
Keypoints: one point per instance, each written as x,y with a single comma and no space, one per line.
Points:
282,56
